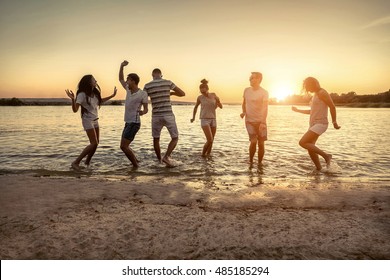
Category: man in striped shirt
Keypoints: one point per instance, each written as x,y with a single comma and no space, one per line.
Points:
160,90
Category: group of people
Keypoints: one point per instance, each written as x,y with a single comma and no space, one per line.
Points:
159,90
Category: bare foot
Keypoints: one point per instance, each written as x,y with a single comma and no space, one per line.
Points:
206,156
75,166
315,171
168,162
328,160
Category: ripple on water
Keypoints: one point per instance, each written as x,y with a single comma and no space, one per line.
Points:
31,139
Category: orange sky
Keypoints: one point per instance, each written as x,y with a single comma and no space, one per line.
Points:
47,46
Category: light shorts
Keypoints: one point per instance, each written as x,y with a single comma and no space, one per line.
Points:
168,121
130,130
88,124
208,122
319,128
255,132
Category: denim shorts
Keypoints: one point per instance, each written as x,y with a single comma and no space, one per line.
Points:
130,130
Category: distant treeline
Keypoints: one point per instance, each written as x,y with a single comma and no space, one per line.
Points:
42,102
11,102
350,99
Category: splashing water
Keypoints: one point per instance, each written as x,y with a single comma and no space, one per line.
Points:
45,140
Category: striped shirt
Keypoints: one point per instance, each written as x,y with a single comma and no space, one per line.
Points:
159,91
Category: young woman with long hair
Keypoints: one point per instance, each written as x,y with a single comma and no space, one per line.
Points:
318,112
89,98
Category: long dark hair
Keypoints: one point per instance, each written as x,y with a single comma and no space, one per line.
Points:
85,86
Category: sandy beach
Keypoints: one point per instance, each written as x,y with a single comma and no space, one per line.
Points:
94,218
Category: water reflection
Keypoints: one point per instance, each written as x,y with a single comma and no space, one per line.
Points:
46,139
255,175
208,166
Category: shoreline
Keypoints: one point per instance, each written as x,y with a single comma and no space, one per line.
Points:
86,218
12,102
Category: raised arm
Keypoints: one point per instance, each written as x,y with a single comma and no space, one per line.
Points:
109,97
324,96
195,109
75,106
121,76
178,92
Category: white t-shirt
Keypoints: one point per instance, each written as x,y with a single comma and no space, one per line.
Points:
133,104
256,105
91,108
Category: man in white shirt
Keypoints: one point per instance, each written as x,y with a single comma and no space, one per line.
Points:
255,110
135,98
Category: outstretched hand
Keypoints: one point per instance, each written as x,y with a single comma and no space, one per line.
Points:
295,109
69,93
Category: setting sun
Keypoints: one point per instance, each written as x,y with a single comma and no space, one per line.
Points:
280,92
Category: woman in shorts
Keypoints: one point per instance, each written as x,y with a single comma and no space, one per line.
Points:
88,97
318,120
209,102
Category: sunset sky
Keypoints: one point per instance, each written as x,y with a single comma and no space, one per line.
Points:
47,46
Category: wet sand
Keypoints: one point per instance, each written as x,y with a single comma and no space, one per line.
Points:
90,218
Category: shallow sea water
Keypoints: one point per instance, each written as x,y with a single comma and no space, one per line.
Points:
44,140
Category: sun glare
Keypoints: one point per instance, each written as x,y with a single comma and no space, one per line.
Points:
280,92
